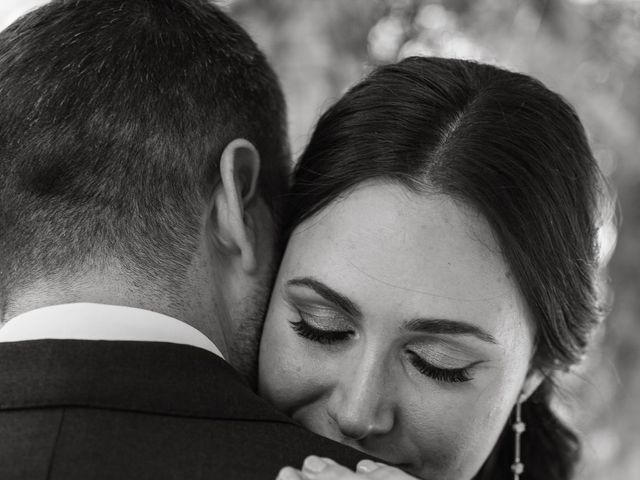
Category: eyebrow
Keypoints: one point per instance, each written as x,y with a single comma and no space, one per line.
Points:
436,326
443,326
327,293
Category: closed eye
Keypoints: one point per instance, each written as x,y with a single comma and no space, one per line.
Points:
445,375
318,335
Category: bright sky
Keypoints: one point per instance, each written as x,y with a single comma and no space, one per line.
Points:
12,9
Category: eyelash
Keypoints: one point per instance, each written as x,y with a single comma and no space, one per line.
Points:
327,337
324,337
446,375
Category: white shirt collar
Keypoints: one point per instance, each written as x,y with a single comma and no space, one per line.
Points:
93,321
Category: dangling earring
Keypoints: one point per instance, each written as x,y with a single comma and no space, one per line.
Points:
518,429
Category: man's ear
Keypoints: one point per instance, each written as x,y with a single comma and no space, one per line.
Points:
232,227
532,381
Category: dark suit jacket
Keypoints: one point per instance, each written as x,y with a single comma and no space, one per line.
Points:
72,409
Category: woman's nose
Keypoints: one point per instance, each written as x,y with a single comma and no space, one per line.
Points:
361,405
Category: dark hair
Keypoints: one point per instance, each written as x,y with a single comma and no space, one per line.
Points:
113,117
506,145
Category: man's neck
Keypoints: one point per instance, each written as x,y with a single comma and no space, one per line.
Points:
111,290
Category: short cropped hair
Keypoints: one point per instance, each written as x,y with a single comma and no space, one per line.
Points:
113,117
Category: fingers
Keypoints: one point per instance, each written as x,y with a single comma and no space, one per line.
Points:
367,466
319,468
289,473
315,468
380,471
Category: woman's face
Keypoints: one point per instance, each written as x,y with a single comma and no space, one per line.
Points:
395,327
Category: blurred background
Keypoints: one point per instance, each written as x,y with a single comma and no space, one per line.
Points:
587,50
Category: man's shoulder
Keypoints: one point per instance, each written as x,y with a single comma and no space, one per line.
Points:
100,443
131,376
181,410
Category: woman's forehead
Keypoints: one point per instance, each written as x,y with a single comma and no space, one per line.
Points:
387,233
390,248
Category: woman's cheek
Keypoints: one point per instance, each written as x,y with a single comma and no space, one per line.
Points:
439,428
274,364
452,428
288,376
479,427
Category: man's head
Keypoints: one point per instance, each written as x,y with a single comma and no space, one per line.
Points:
146,140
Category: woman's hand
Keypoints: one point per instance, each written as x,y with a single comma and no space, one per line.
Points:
316,468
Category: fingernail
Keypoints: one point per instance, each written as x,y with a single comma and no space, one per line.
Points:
287,473
366,466
314,464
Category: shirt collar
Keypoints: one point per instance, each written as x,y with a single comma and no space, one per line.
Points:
93,321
